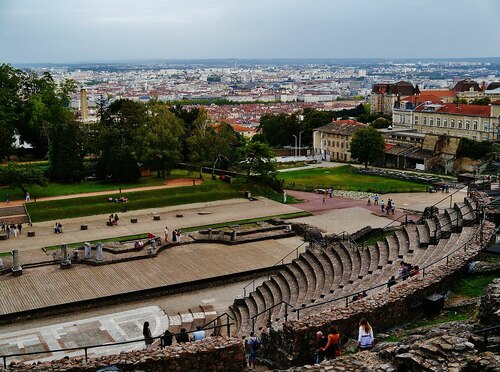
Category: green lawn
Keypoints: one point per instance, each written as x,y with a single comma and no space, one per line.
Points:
92,205
473,285
57,189
343,178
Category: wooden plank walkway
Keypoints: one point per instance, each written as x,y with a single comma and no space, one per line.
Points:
44,287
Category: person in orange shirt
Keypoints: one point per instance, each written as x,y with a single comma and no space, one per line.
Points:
332,348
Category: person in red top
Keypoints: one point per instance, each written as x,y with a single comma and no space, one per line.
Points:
332,348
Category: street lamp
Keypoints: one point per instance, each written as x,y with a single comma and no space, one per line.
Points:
300,142
295,148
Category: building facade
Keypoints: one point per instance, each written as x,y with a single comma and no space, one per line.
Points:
476,122
385,95
331,142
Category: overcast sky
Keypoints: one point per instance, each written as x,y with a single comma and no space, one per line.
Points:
33,31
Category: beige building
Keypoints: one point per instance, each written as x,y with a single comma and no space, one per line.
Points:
331,142
476,122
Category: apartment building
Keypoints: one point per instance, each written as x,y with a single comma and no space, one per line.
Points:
385,95
331,142
476,122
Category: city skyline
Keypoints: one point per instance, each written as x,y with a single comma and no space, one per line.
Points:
57,31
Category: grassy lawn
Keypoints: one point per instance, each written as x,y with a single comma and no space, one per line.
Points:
57,189
92,205
343,178
473,285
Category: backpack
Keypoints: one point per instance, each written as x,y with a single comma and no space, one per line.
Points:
254,343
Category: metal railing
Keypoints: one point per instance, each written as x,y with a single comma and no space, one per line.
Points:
89,347
485,332
346,298
280,262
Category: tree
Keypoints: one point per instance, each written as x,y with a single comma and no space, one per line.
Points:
10,107
367,145
278,130
65,151
381,122
259,159
188,118
117,136
159,140
22,176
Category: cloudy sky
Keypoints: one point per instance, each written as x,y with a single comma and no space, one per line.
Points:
33,31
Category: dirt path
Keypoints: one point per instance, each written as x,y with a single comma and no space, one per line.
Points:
177,182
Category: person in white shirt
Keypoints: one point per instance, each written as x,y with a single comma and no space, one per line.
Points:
365,335
199,334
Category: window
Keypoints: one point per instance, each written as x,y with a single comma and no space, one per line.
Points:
475,125
424,120
445,123
416,119
329,143
485,125
431,121
467,124
460,124
438,122
452,123
338,144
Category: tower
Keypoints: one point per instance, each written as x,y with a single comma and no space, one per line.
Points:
83,105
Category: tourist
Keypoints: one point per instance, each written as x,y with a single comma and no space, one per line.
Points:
167,338
20,227
369,201
110,219
365,335
324,197
58,228
375,199
403,271
7,231
182,336
388,206
3,226
382,205
116,219
7,198
174,236
321,342
13,229
178,236
391,282
415,270
165,231
284,197
393,207
148,338
110,200
332,348
199,334
355,297
252,347
330,191
27,197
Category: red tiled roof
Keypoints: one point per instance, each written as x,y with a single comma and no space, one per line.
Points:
452,108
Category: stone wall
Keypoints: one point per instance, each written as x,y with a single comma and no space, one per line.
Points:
214,354
295,343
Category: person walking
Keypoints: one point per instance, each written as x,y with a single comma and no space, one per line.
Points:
252,348
324,197
148,337
7,198
332,348
284,197
375,199
382,205
365,335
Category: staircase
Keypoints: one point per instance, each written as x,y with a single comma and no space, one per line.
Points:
341,269
14,214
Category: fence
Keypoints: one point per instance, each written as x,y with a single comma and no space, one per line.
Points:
86,348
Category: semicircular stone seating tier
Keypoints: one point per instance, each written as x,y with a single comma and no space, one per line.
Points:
340,269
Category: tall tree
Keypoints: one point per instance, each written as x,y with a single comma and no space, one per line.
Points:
278,130
367,145
10,107
159,140
259,159
225,147
118,129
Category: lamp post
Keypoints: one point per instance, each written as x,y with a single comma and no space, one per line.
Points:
295,148
300,142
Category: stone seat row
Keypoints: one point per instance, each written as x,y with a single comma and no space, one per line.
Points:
322,274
